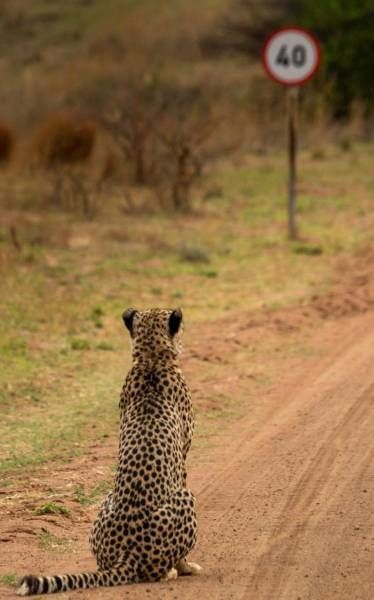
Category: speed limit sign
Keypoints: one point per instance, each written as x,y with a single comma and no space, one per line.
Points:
291,56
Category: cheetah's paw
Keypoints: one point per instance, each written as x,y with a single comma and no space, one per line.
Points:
188,568
170,575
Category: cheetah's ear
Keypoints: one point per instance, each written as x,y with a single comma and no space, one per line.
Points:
175,321
128,319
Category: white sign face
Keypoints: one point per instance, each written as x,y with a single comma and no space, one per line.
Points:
291,56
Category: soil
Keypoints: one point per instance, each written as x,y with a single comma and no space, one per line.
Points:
284,484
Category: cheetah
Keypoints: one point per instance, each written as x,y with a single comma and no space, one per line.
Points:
146,525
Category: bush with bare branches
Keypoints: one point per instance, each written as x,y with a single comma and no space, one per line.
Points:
163,130
181,158
130,116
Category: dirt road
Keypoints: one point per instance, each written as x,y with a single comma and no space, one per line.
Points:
285,495
288,512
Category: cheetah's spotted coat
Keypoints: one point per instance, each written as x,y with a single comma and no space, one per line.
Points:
146,525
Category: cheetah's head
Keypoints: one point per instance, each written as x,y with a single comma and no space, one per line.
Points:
155,333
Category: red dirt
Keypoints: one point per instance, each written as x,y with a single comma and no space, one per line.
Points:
285,491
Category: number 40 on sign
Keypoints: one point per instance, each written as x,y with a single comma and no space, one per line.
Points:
291,56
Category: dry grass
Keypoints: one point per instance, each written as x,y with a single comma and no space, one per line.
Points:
65,281
63,348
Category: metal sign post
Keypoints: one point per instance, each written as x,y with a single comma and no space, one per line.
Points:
292,109
291,56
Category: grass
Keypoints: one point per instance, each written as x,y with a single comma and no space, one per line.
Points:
68,23
52,508
50,542
80,344
63,346
33,30
9,579
94,495
55,431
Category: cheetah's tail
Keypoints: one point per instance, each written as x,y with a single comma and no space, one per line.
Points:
31,585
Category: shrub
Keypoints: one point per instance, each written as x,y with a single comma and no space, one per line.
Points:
147,112
131,125
109,168
6,142
192,253
80,344
63,139
63,145
52,508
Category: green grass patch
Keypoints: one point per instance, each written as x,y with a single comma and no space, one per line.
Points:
71,417
96,316
10,579
52,508
306,249
106,346
92,496
80,344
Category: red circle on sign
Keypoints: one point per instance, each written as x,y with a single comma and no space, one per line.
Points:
312,40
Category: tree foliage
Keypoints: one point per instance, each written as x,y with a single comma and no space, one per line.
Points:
345,29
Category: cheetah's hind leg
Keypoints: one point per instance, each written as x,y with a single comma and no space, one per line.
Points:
188,568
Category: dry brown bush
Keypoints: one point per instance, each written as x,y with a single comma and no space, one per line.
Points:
189,135
64,139
64,144
6,142
161,129
109,167
180,160
130,120
71,189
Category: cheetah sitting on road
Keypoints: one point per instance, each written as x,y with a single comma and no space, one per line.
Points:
147,524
